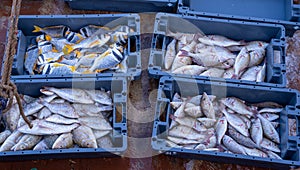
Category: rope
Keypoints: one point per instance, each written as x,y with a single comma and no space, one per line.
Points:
7,88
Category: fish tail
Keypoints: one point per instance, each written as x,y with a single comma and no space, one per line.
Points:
73,68
46,90
172,117
37,29
87,72
68,48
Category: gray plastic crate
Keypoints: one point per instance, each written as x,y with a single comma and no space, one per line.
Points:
257,10
289,98
239,30
125,5
75,22
117,86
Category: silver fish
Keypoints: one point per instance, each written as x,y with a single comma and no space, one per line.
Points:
42,127
84,137
213,72
190,70
93,29
53,31
179,113
194,111
4,135
207,106
35,106
12,116
237,105
44,47
59,43
268,129
172,144
232,145
56,118
26,142
221,128
241,139
73,95
246,120
237,123
49,57
270,116
181,60
95,122
219,41
28,99
196,99
64,109
267,144
270,110
63,141
267,105
211,142
241,62
170,54
10,141
104,142
256,131
100,133
100,97
31,56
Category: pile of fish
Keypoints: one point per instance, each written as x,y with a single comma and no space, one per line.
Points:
215,56
61,118
229,125
94,49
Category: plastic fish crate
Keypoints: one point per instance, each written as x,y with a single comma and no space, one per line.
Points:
289,145
75,22
117,86
255,10
125,5
233,29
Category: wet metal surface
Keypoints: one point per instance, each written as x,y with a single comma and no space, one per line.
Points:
141,107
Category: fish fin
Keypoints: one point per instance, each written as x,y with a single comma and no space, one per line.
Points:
54,50
61,58
37,29
46,91
99,70
73,68
68,48
48,37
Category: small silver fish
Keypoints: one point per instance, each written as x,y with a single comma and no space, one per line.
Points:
207,122
44,113
40,146
190,70
261,74
189,122
268,129
65,140
194,111
35,106
273,155
221,128
267,144
213,72
12,116
10,141
219,41
232,145
181,60
189,133
241,62
255,152
26,142
237,105
241,139
170,54
84,137
237,123
251,73
100,133
256,131
256,56
270,116
100,97
87,109
270,110
228,73
182,141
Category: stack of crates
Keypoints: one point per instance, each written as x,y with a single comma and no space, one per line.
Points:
237,20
